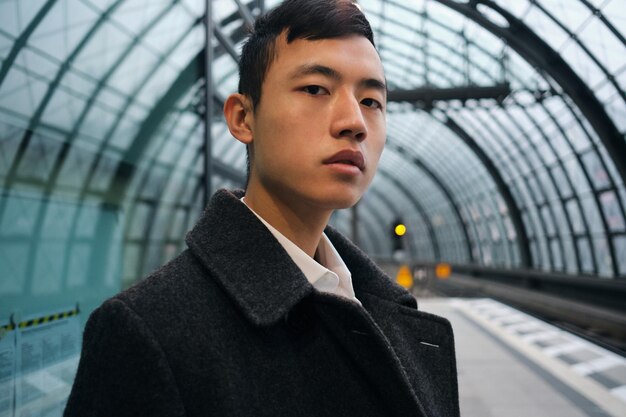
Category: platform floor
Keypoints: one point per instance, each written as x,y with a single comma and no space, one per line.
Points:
513,365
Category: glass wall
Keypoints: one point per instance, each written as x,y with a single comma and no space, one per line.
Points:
100,159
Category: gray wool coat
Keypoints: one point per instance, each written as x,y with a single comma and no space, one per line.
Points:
231,327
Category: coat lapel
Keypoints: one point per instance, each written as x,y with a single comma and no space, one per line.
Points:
422,343
370,349
369,340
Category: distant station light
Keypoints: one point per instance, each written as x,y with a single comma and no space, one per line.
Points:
443,271
400,229
405,277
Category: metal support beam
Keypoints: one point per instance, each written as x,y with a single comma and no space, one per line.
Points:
208,101
226,43
540,54
20,42
245,13
503,189
425,97
130,160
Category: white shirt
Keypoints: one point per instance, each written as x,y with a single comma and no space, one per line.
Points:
330,275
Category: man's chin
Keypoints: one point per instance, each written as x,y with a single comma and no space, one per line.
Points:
339,201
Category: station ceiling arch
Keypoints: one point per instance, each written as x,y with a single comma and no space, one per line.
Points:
506,131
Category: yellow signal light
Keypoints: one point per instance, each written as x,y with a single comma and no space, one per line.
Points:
400,229
443,271
405,277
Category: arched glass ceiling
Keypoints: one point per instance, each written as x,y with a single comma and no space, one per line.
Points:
102,102
538,137
99,139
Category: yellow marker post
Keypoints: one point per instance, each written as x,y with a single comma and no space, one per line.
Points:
443,271
405,277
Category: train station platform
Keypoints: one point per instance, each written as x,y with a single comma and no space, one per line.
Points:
511,364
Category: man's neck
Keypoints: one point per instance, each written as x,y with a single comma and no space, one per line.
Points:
296,220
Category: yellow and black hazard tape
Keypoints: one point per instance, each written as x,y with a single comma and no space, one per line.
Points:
47,319
7,327
4,330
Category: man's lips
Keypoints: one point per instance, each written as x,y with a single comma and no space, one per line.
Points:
348,157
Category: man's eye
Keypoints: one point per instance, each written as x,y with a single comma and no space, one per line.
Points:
370,102
315,90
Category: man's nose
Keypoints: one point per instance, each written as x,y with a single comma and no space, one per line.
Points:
348,120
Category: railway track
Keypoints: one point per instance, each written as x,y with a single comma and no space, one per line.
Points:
601,326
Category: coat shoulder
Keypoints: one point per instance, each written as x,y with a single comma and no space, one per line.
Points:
166,283
176,293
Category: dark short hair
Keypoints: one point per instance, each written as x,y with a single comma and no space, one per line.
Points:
301,19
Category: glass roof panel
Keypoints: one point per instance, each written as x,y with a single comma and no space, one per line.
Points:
605,46
443,14
196,8
572,14
582,63
545,27
133,16
613,11
164,34
223,9
17,15
61,30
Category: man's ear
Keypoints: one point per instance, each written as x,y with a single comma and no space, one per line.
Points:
239,117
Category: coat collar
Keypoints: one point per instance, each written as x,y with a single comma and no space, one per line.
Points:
255,270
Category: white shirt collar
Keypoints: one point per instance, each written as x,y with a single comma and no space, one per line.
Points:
330,275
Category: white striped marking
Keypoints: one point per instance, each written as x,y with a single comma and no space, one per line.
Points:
522,327
512,319
568,347
598,365
620,392
496,311
612,401
540,336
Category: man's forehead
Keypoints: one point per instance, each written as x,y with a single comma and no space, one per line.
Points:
305,56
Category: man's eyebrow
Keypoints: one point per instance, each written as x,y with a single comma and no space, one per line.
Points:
310,69
375,84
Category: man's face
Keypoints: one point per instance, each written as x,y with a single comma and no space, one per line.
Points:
319,128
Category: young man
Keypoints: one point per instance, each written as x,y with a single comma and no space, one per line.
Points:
270,312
